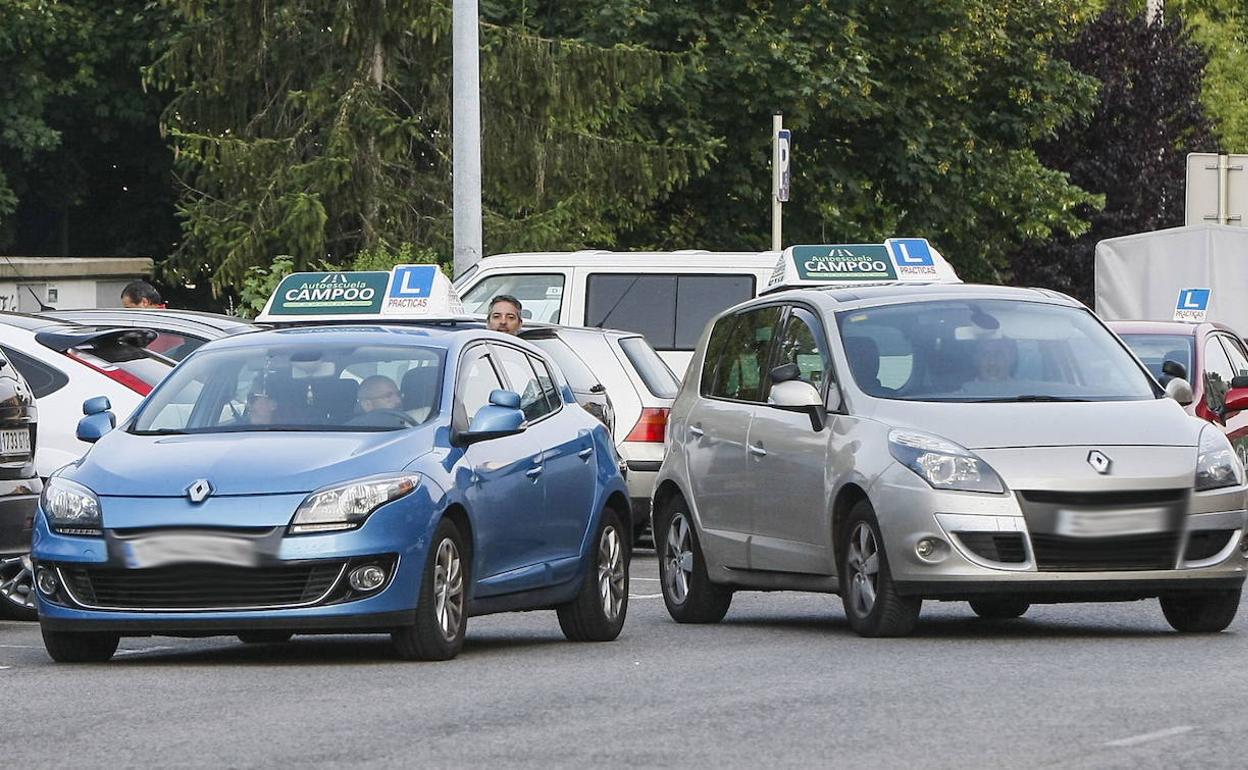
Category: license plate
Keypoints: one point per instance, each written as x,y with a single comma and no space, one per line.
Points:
1121,521
159,550
15,442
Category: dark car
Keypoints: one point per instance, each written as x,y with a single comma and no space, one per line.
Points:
19,492
178,332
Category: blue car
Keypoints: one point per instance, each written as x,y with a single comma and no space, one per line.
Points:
337,479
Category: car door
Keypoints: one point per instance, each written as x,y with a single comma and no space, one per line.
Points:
787,464
504,494
566,466
1236,423
717,429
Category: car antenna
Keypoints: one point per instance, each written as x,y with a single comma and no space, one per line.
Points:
43,306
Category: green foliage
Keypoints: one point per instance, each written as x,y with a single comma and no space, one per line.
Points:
916,117
381,258
260,282
320,129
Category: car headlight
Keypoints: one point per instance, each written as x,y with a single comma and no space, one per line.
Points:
942,463
71,508
346,506
1217,465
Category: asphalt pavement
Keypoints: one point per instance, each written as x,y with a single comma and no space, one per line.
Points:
781,682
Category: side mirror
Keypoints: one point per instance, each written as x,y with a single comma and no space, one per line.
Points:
97,405
93,427
1236,399
1174,369
1239,381
798,396
1179,390
501,417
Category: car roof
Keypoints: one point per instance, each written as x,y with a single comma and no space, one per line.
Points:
189,320
841,297
669,261
34,322
362,334
1181,328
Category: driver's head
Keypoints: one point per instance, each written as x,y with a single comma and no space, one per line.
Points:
379,392
504,315
995,358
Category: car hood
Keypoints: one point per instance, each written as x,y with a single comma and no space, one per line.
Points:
126,465
1160,422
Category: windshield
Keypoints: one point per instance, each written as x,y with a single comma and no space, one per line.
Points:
1156,349
305,387
988,350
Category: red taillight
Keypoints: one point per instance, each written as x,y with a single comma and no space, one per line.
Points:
114,373
651,427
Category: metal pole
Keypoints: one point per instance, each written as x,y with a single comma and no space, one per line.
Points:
1223,174
777,123
466,134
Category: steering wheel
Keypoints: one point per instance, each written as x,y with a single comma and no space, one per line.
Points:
371,418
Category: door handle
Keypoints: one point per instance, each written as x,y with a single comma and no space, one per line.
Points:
534,472
585,453
697,430
758,450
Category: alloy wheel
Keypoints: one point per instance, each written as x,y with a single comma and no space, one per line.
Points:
611,572
17,581
678,554
864,569
448,589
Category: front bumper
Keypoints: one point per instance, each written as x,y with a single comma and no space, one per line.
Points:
301,585
18,500
1008,544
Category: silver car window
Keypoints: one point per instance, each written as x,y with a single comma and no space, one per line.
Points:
800,345
739,370
1218,374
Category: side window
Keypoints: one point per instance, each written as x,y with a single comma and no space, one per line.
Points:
43,380
1239,361
523,380
640,303
739,375
541,294
715,347
801,345
1218,374
476,379
550,388
700,297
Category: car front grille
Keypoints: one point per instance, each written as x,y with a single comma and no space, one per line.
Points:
1003,547
1206,543
202,586
1133,552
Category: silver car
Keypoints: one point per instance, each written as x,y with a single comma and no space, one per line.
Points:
969,443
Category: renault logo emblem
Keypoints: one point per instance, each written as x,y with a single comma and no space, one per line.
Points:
199,491
1099,462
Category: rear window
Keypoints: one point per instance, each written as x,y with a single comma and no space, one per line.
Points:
43,380
658,378
669,310
574,369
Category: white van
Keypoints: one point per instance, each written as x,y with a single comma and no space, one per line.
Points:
667,296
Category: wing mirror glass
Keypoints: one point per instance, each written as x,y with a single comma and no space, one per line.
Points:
1180,390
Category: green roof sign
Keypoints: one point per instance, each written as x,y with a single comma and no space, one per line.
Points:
844,262
355,293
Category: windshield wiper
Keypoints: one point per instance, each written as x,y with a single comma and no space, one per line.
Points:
1028,398
159,432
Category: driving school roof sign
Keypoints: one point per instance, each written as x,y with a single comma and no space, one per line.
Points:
895,260
407,291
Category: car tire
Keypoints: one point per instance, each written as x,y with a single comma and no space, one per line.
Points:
441,609
688,592
17,588
1200,612
265,637
79,647
872,604
1000,607
598,611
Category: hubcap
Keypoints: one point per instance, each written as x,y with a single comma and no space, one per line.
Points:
448,589
611,588
864,569
678,558
17,581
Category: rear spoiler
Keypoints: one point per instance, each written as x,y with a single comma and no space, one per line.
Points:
62,341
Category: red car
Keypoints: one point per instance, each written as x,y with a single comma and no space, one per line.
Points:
1210,356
